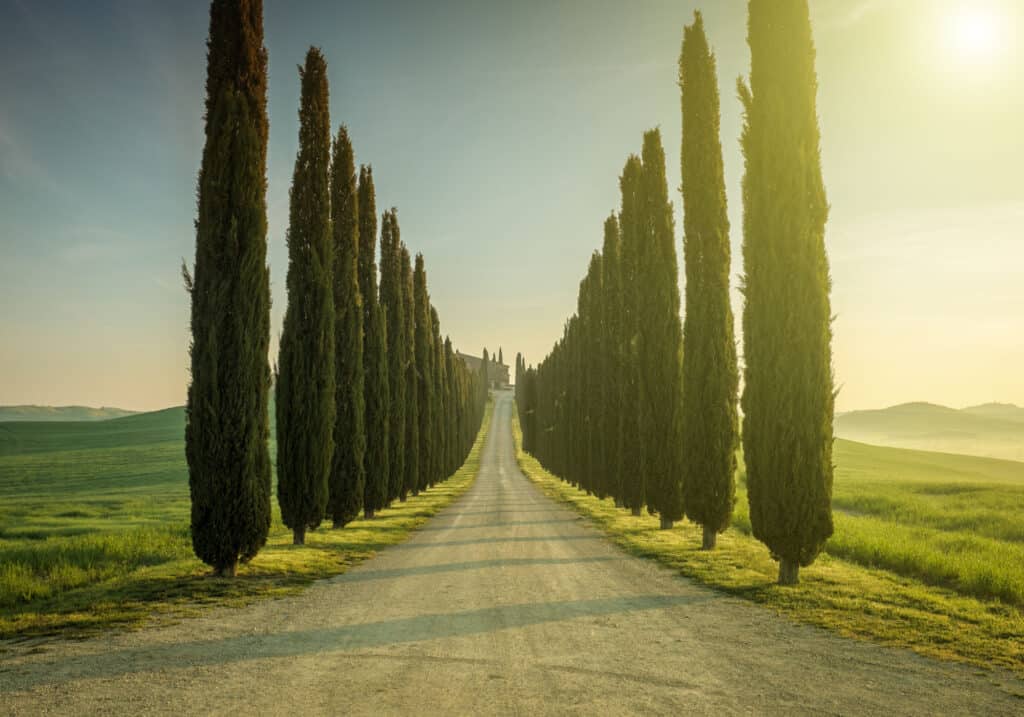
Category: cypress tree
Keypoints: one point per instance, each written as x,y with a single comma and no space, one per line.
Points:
591,350
501,357
305,380
610,361
660,340
452,428
710,376
226,419
376,391
630,227
788,389
348,477
393,301
410,482
424,373
485,369
440,401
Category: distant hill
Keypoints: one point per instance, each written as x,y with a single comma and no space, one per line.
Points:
995,430
60,413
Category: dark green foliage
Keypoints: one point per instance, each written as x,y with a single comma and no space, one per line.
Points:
348,477
376,391
788,386
305,385
392,298
424,374
227,421
660,340
501,357
410,481
440,414
710,375
609,362
631,236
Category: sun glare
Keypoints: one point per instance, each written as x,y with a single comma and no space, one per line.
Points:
974,32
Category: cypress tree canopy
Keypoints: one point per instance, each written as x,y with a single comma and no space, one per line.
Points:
226,417
424,373
410,483
306,382
660,339
610,361
710,376
788,387
393,300
376,391
348,478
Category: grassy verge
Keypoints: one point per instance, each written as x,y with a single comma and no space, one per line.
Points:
78,581
850,599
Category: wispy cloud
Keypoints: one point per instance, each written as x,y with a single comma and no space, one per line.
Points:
18,165
843,14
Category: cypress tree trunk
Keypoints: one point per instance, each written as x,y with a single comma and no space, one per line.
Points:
226,418
659,339
710,538
412,410
348,478
306,375
710,374
788,387
376,391
299,535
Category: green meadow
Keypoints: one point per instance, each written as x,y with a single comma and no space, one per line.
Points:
94,528
928,552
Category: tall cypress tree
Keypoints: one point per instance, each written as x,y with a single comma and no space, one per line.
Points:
710,376
393,300
424,373
440,401
631,228
609,361
410,482
377,393
227,424
788,397
501,357
348,477
305,380
660,340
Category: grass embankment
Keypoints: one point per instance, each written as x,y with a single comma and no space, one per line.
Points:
928,554
95,530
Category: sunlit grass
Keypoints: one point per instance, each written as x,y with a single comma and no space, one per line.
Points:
902,585
116,551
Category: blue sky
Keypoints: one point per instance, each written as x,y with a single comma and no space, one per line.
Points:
498,130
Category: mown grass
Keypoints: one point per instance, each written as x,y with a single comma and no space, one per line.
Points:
942,593
97,536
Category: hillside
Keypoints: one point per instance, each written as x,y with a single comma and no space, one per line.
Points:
993,430
60,413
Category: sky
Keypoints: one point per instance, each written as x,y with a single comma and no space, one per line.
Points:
499,130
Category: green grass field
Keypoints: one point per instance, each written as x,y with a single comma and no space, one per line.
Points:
928,552
94,529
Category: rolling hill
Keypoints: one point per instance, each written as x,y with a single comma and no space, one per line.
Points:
60,413
993,430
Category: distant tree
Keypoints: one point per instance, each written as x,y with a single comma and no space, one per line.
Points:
631,225
376,392
501,357
226,418
305,382
788,397
609,362
410,482
425,373
348,477
485,369
660,340
440,415
393,300
710,376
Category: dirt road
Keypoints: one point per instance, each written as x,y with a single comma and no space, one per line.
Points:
505,603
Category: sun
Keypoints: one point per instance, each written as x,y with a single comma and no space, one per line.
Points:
974,32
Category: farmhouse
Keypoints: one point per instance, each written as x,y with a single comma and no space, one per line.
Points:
497,372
